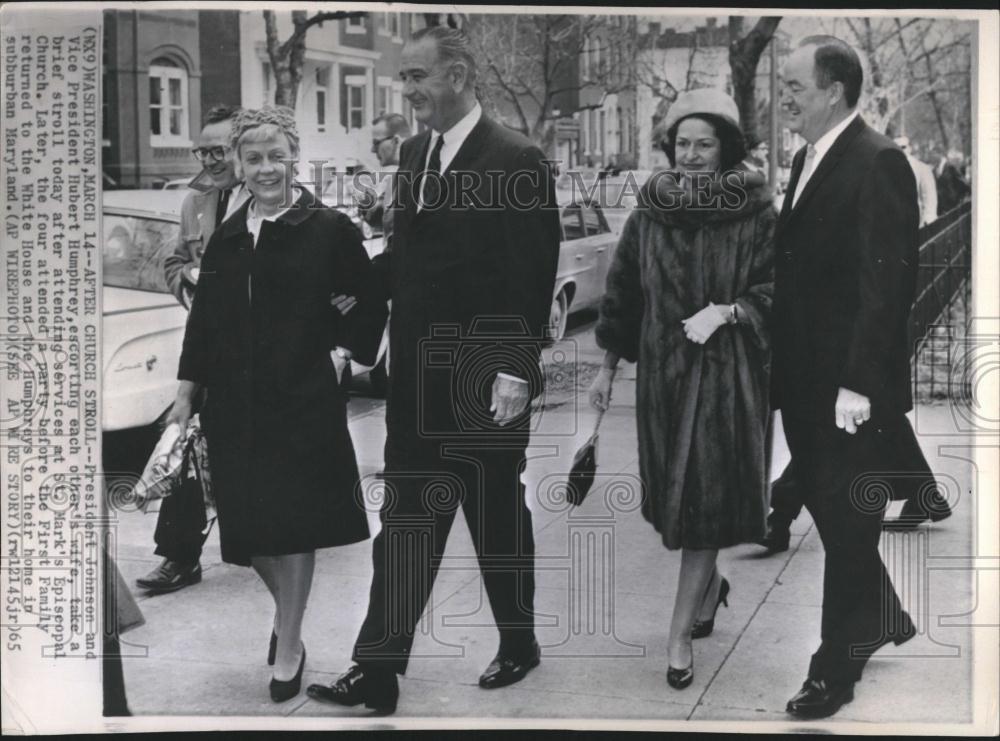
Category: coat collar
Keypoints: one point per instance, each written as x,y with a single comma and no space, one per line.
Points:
826,166
302,209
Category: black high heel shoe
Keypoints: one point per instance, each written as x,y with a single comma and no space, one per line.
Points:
282,690
704,628
680,678
272,648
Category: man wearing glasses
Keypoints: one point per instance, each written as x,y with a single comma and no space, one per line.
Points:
181,526
202,212
388,131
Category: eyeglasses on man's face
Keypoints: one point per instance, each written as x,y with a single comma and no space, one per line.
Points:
215,154
376,143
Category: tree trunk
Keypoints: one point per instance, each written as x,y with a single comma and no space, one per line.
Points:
744,54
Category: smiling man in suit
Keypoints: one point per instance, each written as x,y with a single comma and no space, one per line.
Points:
181,525
470,273
846,246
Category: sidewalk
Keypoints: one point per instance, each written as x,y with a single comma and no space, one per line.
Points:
605,587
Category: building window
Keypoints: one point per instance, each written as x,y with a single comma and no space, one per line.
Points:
383,103
356,25
602,128
593,131
322,83
389,25
585,58
356,106
397,96
168,108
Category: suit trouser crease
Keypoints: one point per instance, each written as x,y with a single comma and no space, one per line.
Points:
860,604
407,555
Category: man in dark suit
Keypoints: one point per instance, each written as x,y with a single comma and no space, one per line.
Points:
181,527
470,271
846,247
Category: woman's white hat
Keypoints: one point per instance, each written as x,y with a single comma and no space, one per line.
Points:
703,100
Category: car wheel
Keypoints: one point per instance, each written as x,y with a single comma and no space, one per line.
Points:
558,316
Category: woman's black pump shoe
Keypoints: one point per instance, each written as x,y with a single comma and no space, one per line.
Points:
704,628
680,678
282,690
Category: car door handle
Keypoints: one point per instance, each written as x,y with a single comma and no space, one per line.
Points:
599,249
579,257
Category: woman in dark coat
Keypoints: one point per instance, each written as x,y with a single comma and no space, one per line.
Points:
264,340
688,296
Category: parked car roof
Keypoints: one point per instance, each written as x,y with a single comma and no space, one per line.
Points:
162,203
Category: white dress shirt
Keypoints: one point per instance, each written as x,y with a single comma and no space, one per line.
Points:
254,221
453,140
822,146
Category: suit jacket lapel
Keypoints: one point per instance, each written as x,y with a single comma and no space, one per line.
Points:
412,169
472,146
829,161
206,214
793,183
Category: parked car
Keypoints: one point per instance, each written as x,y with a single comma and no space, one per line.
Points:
585,252
143,324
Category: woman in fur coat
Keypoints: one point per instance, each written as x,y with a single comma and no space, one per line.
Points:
688,297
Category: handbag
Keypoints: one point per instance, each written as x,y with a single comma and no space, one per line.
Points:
581,473
176,462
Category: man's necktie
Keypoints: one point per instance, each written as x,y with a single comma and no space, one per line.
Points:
430,182
807,168
220,212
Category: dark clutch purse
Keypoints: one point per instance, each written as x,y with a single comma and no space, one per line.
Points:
581,473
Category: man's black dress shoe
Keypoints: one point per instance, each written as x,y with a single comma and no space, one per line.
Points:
920,509
776,539
170,576
820,699
504,670
378,690
286,689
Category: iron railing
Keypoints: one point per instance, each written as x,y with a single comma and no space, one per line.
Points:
941,304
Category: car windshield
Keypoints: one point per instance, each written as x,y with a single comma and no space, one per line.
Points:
134,250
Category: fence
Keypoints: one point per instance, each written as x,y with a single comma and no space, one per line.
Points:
941,305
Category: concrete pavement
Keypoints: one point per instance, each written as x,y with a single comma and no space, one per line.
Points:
605,587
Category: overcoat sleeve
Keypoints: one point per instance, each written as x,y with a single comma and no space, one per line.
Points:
620,319
754,306
531,239
200,334
887,253
174,263
364,324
